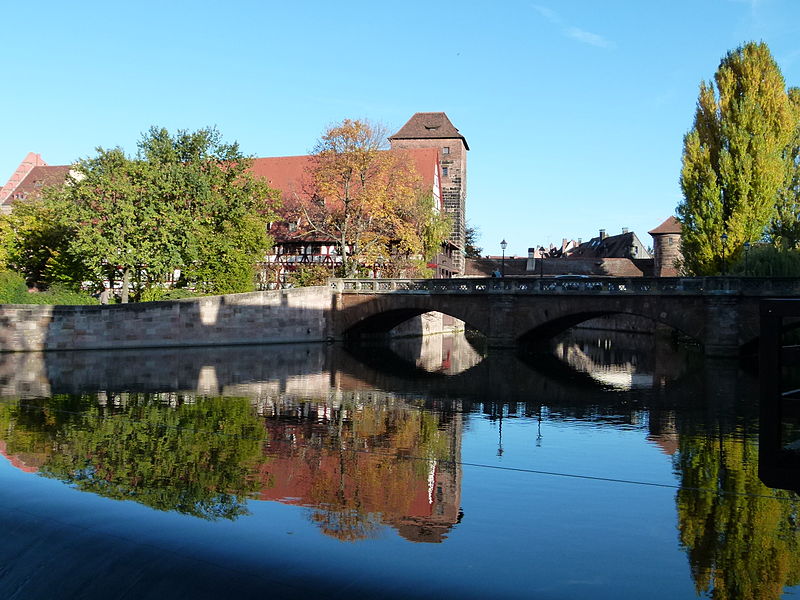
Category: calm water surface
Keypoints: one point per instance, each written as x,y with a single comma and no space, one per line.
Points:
607,466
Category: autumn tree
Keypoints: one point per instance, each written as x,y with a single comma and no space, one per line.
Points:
734,158
367,199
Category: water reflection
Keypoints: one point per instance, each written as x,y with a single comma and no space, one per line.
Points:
358,465
370,440
195,456
741,537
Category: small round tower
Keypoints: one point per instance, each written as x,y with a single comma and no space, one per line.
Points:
666,248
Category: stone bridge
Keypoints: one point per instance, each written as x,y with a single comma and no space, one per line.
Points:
719,312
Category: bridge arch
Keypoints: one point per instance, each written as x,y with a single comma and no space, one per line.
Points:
359,315
557,322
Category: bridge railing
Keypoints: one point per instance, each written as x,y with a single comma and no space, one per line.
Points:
750,286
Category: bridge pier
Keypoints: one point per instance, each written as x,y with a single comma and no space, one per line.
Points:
722,327
501,332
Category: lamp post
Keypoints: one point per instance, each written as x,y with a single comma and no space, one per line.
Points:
746,255
724,244
503,245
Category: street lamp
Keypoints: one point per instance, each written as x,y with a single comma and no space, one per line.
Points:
746,255
724,244
503,245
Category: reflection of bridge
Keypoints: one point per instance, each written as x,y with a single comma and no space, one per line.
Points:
720,312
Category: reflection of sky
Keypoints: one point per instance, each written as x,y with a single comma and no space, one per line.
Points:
523,534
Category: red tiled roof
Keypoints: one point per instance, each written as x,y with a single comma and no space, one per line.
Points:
671,225
285,173
38,178
429,125
288,173
30,161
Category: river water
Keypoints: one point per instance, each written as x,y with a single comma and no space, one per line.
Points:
603,466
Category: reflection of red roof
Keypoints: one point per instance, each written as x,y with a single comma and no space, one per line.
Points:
667,442
19,462
671,225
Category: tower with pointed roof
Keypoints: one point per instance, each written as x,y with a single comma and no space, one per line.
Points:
434,130
667,248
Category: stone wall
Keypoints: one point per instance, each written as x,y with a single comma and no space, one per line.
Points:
667,251
281,316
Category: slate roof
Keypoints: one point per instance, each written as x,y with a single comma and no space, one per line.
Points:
611,246
429,125
671,225
606,267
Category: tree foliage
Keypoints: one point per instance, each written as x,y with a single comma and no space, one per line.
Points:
734,158
785,230
740,536
471,250
184,202
198,458
367,199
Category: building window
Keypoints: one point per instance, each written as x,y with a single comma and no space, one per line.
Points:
446,150
444,171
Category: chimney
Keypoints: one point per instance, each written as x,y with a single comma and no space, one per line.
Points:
624,230
580,241
602,234
530,265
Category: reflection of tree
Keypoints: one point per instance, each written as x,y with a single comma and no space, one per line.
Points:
367,466
741,542
195,458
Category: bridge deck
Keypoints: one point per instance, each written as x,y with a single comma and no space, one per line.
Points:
746,286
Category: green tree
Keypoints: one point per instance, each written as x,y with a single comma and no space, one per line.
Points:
734,158
471,250
185,202
740,536
308,275
785,230
6,241
38,242
222,209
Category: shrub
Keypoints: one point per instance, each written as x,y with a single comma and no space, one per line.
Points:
768,261
14,290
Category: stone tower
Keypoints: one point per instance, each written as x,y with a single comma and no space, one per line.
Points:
434,130
666,248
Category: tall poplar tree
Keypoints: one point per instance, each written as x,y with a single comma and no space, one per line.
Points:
734,158
785,231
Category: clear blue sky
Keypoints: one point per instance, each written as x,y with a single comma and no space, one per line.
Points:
575,110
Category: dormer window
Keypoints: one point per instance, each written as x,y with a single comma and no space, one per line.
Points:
431,127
